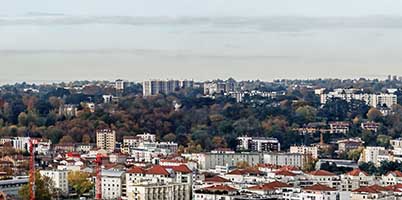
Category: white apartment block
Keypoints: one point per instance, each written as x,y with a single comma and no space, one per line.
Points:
373,154
106,139
208,161
285,159
112,184
259,144
155,87
396,143
59,178
167,191
307,150
371,99
120,84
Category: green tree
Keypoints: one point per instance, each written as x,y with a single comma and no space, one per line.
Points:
307,113
374,114
80,182
43,188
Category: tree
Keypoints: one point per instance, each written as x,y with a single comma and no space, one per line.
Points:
354,154
374,114
169,137
43,188
242,165
80,182
67,139
86,139
307,113
383,140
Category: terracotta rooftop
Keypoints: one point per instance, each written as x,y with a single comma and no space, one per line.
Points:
270,186
216,179
136,170
356,172
371,189
395,173
285,173
319,187
322,173
244,171
157,170
220,188
181,168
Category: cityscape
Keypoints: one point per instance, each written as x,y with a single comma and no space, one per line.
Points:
201,100
220,139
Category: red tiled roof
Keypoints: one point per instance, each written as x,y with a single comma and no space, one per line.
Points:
289,168
395,173
216,179
356,172
220,188
371,189
244,171
181,168
269,186
136,170
285,173
322,173
319,187
157,170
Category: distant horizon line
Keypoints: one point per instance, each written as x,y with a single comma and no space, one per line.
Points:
46,82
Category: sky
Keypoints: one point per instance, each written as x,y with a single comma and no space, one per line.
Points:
64,40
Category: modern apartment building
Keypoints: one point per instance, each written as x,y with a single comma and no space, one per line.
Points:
154,87
106,139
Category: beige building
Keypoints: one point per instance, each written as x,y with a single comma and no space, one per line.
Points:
307,150
106,139
158,191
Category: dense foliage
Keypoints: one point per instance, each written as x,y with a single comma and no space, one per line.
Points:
199,124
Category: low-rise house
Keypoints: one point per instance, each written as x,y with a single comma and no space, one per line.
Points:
391,178
346,145
339,127
356,179
374,192
222,192
325,178
370,126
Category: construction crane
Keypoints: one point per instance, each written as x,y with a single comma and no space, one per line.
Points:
32,143
98,181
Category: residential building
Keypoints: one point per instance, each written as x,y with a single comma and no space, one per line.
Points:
373,154
59,178
212,159
346,145
356,179
370,126
285,159
221,192
120,85
68,110
258,144
155,87
112,184
106,139
159,182
391,178
318,192
374,192
307,150
373,100
339,127
396,143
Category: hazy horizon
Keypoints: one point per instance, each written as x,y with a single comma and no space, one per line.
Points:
54,41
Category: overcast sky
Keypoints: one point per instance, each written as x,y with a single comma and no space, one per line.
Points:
62,40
